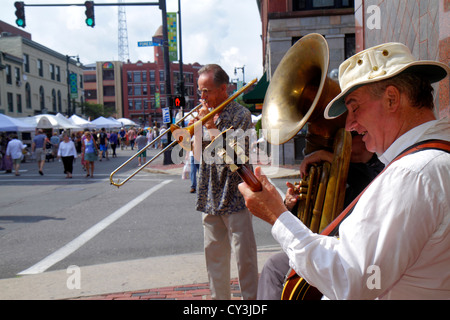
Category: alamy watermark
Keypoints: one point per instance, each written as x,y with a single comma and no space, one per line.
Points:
374,19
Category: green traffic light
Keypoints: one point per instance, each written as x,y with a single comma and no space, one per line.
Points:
90,22
20,22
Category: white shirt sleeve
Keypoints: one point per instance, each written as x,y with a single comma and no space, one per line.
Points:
391,244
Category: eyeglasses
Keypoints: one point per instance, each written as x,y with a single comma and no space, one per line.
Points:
203,92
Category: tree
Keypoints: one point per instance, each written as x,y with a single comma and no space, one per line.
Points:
94,110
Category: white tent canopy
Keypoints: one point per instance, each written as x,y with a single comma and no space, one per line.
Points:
13,124
127,122
83,123
102,122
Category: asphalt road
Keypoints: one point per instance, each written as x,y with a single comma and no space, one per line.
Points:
49,222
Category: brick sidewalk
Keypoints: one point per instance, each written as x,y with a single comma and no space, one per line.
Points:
199,291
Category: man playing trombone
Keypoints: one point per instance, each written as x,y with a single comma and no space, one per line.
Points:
226,220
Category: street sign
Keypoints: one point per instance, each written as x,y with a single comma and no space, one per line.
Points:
156,43
166,115
145,43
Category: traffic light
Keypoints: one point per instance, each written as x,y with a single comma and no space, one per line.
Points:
179,102
20,13
90,18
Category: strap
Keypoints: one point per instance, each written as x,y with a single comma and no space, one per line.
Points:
442,145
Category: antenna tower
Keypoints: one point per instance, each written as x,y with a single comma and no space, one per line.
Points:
124,55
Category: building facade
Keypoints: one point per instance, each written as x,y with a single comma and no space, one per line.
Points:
35,79
422,25
285,22
145,91
103,85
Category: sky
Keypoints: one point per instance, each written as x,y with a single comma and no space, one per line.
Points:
226,32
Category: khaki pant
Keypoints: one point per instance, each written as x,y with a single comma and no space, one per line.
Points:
221,234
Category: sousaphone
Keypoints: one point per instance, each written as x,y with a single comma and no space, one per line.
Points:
298,93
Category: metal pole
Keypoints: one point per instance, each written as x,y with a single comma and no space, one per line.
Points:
180,39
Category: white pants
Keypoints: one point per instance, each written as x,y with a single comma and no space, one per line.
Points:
221,234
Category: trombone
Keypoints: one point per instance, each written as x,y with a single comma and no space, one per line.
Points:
172,128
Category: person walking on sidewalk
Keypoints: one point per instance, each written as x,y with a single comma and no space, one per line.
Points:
38,148
141,142
14,151
67,153
90,151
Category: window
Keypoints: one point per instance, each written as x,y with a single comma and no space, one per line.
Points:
19,103
137,76
8,74
161,76
299,5
27,96
137,90
144,76
90,78
10,102
90,94
52,71
59,101
54,100
130,104
108,91
41,98
108,74
40,66
58,74
152,75
144,90
138,104
26,62
17,75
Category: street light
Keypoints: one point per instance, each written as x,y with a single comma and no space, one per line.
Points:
243,73
69,107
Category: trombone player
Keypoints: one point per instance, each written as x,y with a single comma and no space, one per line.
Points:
227,223
396,242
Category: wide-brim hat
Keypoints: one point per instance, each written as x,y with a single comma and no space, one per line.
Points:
379,63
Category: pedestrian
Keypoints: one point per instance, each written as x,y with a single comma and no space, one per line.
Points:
141,142
131,135
6,163
227,223
14,151
55,140
395,243
90,151
67,152
38,147
103,142
123,138
195,166
113,140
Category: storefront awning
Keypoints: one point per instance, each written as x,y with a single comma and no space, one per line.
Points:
256,96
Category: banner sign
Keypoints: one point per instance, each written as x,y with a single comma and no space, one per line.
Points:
172,35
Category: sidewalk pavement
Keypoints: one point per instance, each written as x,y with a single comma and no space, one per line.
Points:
173,277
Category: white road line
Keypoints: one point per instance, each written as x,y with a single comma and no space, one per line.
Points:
89,234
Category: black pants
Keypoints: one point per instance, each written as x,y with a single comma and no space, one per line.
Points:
68,164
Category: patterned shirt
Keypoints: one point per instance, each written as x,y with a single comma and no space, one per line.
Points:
217,187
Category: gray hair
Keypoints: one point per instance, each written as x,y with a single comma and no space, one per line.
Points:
220,76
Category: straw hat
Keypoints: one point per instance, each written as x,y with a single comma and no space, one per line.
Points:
380,63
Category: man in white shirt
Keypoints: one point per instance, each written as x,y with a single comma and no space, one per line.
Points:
396,242
14,150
